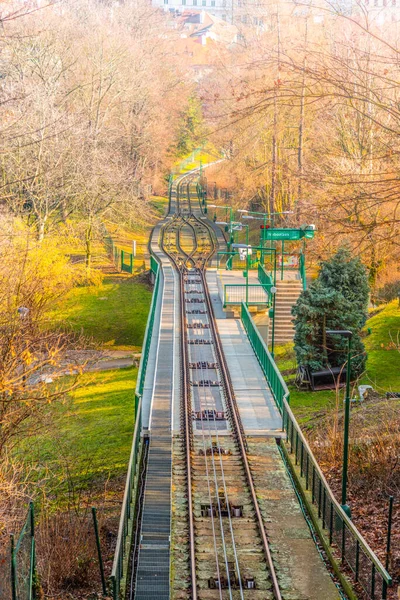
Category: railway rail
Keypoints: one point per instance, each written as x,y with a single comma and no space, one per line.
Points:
229,551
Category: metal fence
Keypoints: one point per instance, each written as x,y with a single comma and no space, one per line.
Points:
254,294
123,260
356,556
23,560
278,386
129,501
265,278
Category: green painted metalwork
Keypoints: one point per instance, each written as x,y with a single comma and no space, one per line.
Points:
255,294
264,278
128,268
287,234
278,387
23,560
118,255
129,501
153,265
302,269
357,557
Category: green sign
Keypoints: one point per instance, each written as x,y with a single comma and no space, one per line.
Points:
287,234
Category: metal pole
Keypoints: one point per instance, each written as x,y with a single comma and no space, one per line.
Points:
96,532
13,569
273,327
345,507
389,532
247,265
283,258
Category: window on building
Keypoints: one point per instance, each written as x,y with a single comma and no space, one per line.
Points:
204,2
212,2
184,2
224,17
194,2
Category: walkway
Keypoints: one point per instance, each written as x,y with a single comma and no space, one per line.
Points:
153,570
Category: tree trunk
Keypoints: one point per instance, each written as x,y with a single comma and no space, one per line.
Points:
41,224
88,245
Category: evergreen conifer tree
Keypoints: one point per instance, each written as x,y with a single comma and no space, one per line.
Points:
337,299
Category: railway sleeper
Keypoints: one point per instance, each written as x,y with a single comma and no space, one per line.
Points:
198,325
209,415
206,383
215,449
223,583
202,364
235,511
196,311
200,341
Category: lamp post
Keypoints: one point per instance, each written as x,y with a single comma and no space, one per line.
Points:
348,335
273,291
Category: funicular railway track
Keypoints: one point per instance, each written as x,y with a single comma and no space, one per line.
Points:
229,553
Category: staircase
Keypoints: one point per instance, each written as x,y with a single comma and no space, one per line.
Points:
286,296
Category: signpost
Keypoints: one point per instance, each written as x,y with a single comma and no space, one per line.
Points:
286,234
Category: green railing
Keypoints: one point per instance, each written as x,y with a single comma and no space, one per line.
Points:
153,265
23,560
128,268
128,510
278,387
123,260
236,294
356,556
302,269
265,278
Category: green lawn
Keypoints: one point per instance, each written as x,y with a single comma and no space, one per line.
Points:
86,440
113,314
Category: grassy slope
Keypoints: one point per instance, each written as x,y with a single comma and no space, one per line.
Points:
113,314
87,439
383,366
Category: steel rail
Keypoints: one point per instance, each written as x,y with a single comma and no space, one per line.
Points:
232,407
242,445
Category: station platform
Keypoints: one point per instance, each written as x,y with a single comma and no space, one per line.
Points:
259,413
232,288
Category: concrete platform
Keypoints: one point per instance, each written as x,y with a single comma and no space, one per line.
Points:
236,295
259,413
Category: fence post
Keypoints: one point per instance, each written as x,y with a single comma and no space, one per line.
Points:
122,260
13,569
389,532
131,264
96,533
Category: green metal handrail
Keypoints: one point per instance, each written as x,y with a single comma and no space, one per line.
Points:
117,254
129,500
355,553
153,265
302,269
234,292
278,386
265,278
